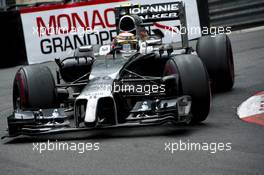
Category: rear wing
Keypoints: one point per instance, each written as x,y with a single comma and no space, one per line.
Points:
152,13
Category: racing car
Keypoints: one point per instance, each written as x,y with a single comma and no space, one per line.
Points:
136,80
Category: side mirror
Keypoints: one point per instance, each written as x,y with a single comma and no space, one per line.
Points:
153,42
158,33
84,51
85,48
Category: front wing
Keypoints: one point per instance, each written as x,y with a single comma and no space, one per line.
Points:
55,121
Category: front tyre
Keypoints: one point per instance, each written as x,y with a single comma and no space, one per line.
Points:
34,88
194,81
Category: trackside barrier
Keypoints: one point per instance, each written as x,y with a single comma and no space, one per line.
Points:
20,46
237,14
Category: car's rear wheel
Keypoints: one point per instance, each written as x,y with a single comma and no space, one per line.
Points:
34,88
194,81
216,54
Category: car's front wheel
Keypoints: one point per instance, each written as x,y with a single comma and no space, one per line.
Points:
34,88
194,81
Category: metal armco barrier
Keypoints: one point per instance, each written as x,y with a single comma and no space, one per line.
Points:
236,13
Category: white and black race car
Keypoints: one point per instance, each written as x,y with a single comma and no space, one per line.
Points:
135,81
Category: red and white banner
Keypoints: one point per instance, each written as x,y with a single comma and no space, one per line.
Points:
252,110
55,31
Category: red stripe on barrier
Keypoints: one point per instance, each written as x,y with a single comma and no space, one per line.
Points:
64,6
161,26
257,119
260,93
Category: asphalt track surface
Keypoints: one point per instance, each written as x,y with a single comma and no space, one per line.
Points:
142,150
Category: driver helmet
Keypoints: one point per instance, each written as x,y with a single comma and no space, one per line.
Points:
126,41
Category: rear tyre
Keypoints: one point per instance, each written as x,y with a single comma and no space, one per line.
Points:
216,53
34,88
194,81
